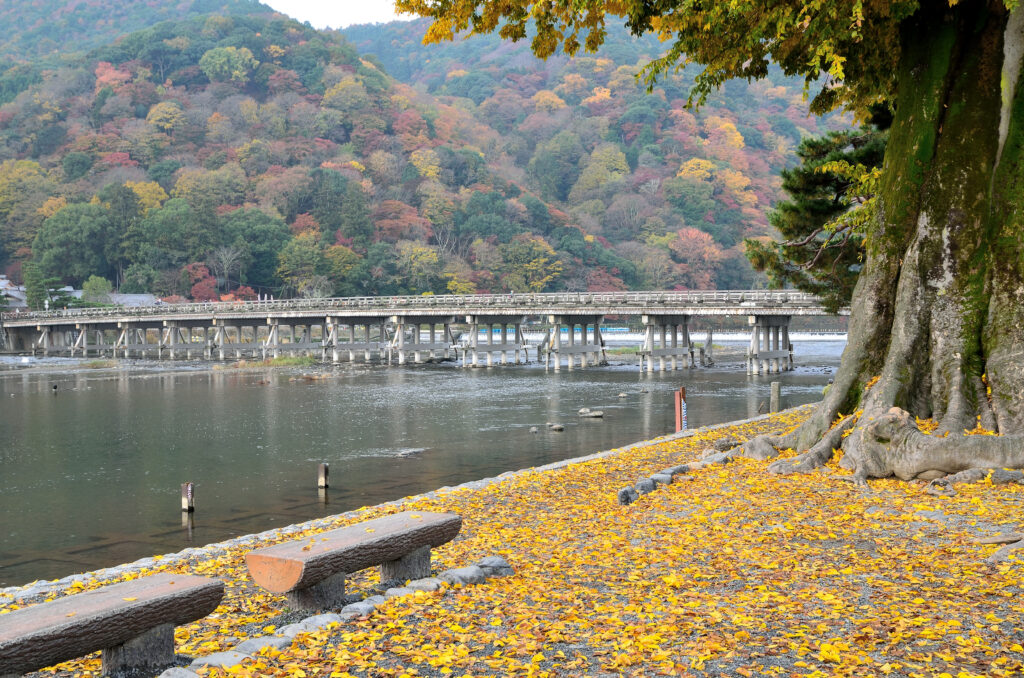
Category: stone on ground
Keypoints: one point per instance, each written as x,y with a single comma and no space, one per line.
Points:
463,575
495,566
627,495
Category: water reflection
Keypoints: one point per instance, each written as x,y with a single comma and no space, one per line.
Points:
92,475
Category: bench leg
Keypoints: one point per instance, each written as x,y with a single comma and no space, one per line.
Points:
327,594
153,650
416,565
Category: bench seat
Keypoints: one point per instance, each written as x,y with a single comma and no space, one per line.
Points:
131,622
310,572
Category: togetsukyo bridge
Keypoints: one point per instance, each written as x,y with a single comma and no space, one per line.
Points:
416,329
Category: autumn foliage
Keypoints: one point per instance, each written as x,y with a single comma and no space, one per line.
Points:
253,145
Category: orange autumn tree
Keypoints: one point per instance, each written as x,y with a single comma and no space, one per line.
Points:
937,312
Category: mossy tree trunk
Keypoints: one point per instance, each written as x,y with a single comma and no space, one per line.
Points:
938,312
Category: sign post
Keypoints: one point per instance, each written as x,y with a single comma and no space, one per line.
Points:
680,398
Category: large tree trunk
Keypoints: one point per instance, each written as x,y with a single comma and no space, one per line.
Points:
938,312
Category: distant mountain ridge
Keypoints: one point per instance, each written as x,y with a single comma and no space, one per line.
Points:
40,28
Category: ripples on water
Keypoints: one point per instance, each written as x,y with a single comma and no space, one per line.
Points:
92,474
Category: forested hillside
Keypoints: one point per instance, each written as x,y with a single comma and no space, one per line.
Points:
36,28
636,169
195,157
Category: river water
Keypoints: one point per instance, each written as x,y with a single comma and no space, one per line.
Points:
90,472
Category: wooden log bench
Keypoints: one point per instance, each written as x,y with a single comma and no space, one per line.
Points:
131,622
311,572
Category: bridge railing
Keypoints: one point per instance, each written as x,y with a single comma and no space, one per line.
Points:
334,305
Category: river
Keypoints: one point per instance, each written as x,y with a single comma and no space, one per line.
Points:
92,469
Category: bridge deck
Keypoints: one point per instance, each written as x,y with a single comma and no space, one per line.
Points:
440,307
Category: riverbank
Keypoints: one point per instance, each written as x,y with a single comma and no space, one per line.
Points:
730,572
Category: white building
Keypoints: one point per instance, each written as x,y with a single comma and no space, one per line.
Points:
15,293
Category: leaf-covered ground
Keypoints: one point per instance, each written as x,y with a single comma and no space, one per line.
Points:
735,572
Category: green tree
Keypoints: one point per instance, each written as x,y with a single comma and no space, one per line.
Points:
555,165
76,164
228,64
97,290
814,255
125,210
35,285
301,261
936,313
260,236
168,237
139,279
74,243
41,291
354,220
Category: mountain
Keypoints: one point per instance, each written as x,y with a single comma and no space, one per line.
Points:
244,153
567,124
46,27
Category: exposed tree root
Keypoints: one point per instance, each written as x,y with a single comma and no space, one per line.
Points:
997,476
1004,553
819,454
892,445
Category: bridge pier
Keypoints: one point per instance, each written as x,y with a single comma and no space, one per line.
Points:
504,345
588,352
333,332
272,342
220,339
707,357
420,348
44,340
668,329
81,342
171,337
770,350
132,337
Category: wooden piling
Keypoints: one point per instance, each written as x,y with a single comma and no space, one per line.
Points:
321,476
187,498
776,396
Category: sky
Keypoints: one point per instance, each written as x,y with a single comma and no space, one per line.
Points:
337,13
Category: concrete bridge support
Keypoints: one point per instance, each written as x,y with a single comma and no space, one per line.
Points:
272,343
416,343
81,343
351,337
175,339
505,325
590,349
667,337
43,343
707,351
770,350
133,339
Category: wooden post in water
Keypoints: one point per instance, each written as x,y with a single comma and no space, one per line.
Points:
776,396
187,498
680,398
321,476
